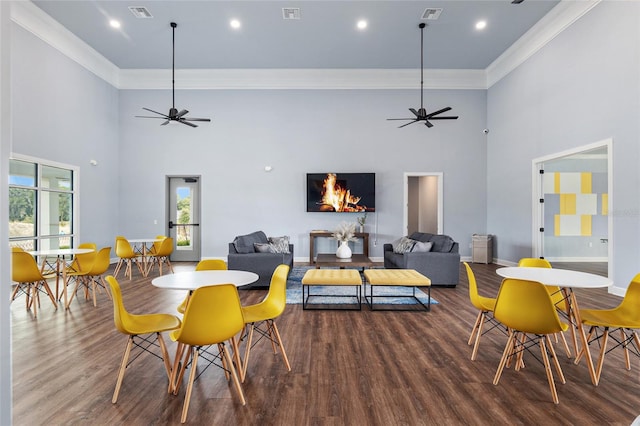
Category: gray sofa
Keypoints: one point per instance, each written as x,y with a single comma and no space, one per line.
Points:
244,255
441,264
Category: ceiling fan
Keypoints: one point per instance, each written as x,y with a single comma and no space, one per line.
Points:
421,113
174,115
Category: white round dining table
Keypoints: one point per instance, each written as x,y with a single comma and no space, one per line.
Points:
191,280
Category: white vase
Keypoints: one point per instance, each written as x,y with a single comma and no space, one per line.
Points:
344,251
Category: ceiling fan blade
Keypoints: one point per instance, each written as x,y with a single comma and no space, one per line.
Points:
428,124
444,118
440,111
165,123
181,113
413,110
411,122
155,112
146,116
195,119
412,119
187,123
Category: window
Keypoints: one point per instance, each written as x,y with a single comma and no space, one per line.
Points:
41,205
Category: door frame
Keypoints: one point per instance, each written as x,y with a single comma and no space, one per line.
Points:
440,186
195,229
537,212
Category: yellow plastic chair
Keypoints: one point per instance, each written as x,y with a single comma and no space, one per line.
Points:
143,331
213,316
81,262
557,297
264,314
485,307
156,244
29,279
126,256
203,265
625,317
92,278
526,309
161,256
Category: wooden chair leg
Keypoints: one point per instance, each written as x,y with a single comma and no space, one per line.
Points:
187,397
247,351
603,351
176,367
478,331
547,367
625,346
475,327
123,367
282,351
505,354
556,363
234,375
236,357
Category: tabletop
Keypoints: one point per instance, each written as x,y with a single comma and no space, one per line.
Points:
191,280
60,252
143,240
559,277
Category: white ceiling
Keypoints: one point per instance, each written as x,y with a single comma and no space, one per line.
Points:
324,38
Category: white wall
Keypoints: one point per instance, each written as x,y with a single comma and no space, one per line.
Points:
64,113
295,132
583,87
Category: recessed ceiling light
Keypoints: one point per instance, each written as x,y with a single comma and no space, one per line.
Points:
362,24
234,23
481,25
114,23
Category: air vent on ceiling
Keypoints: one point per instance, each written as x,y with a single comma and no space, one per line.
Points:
290,13
432,13
140,12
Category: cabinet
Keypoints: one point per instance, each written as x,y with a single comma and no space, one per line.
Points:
481,248
326,234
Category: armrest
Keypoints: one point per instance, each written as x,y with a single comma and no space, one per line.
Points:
387,247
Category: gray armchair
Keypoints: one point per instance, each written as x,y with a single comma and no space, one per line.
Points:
441,264
244,256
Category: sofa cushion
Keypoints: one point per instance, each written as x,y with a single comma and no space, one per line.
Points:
403,245
244,243
419,246
421,236
263,247
280,244
442,243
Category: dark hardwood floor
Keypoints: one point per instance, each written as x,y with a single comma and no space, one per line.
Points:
348,367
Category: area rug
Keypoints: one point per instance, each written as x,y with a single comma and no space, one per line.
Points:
294,292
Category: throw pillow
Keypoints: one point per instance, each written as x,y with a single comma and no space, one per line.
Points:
403,245
420,247
280,244
442,243
244,243
264,247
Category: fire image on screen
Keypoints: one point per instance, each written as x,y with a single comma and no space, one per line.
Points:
341,192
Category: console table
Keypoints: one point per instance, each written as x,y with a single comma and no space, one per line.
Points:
327,234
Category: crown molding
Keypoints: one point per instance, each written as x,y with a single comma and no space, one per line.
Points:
37,22
43,26
553,23
320,79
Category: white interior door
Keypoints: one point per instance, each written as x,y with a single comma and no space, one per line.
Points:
184,218
423,203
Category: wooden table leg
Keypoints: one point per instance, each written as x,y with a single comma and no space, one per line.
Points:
575,314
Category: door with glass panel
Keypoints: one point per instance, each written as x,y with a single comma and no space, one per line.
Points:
184,218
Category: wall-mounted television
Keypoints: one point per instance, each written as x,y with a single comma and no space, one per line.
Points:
341,192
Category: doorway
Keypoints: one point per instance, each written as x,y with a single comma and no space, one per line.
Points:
572,198
184,217
423,203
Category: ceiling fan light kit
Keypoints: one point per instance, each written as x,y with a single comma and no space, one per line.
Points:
174,115
421,113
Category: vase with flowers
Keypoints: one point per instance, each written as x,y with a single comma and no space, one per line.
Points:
362,220
344,233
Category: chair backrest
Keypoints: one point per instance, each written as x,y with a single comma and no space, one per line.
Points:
24,268
123,248
166,247
101,262
157,243
629,308
121,317
83,261
473,287
533,262
211,265
276,299
526,306
213,315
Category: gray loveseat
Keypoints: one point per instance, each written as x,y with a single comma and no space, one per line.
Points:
441,264
244,255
